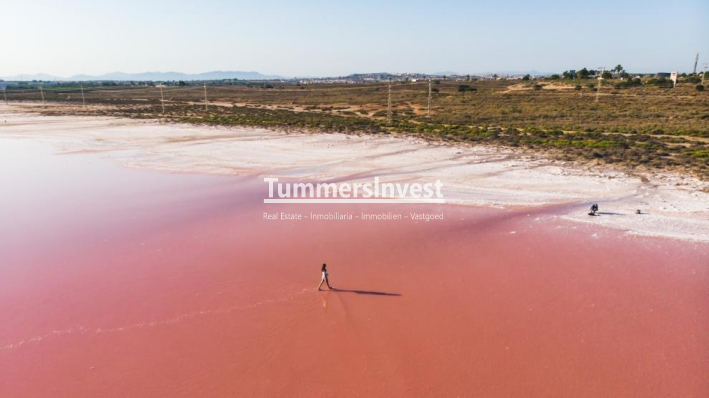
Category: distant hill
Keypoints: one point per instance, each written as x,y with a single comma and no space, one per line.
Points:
36,76
221,75
149,76
444,73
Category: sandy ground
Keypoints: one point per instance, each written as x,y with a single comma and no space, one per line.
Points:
674,206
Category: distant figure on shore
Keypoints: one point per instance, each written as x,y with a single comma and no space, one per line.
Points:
324,277
594,209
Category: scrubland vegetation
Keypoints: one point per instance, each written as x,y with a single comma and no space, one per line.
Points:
637,123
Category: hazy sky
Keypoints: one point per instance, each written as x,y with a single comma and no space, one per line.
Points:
326,38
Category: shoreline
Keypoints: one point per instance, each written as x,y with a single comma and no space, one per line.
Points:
672,205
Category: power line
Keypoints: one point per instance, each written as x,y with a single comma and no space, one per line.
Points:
600,81
140,90
162,99
83,99
428,114
389,104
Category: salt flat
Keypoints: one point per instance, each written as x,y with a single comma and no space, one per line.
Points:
672,205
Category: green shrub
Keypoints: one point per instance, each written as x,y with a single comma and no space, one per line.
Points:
628,83
660,82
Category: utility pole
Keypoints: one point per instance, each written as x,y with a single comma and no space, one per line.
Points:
389,104
428,114
205,96
162,99
41,90
600,81
83,99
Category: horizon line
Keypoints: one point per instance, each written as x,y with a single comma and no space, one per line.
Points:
274,76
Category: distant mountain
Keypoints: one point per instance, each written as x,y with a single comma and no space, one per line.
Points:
444,73
35,76
220,75
149,76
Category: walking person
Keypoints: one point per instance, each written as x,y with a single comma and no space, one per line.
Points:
324,277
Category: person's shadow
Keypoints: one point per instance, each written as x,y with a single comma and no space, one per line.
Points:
366,292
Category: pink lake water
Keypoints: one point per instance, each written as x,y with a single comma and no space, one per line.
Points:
127,282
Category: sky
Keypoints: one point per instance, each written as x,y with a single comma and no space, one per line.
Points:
334,38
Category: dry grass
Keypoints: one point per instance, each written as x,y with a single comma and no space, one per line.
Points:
645,127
